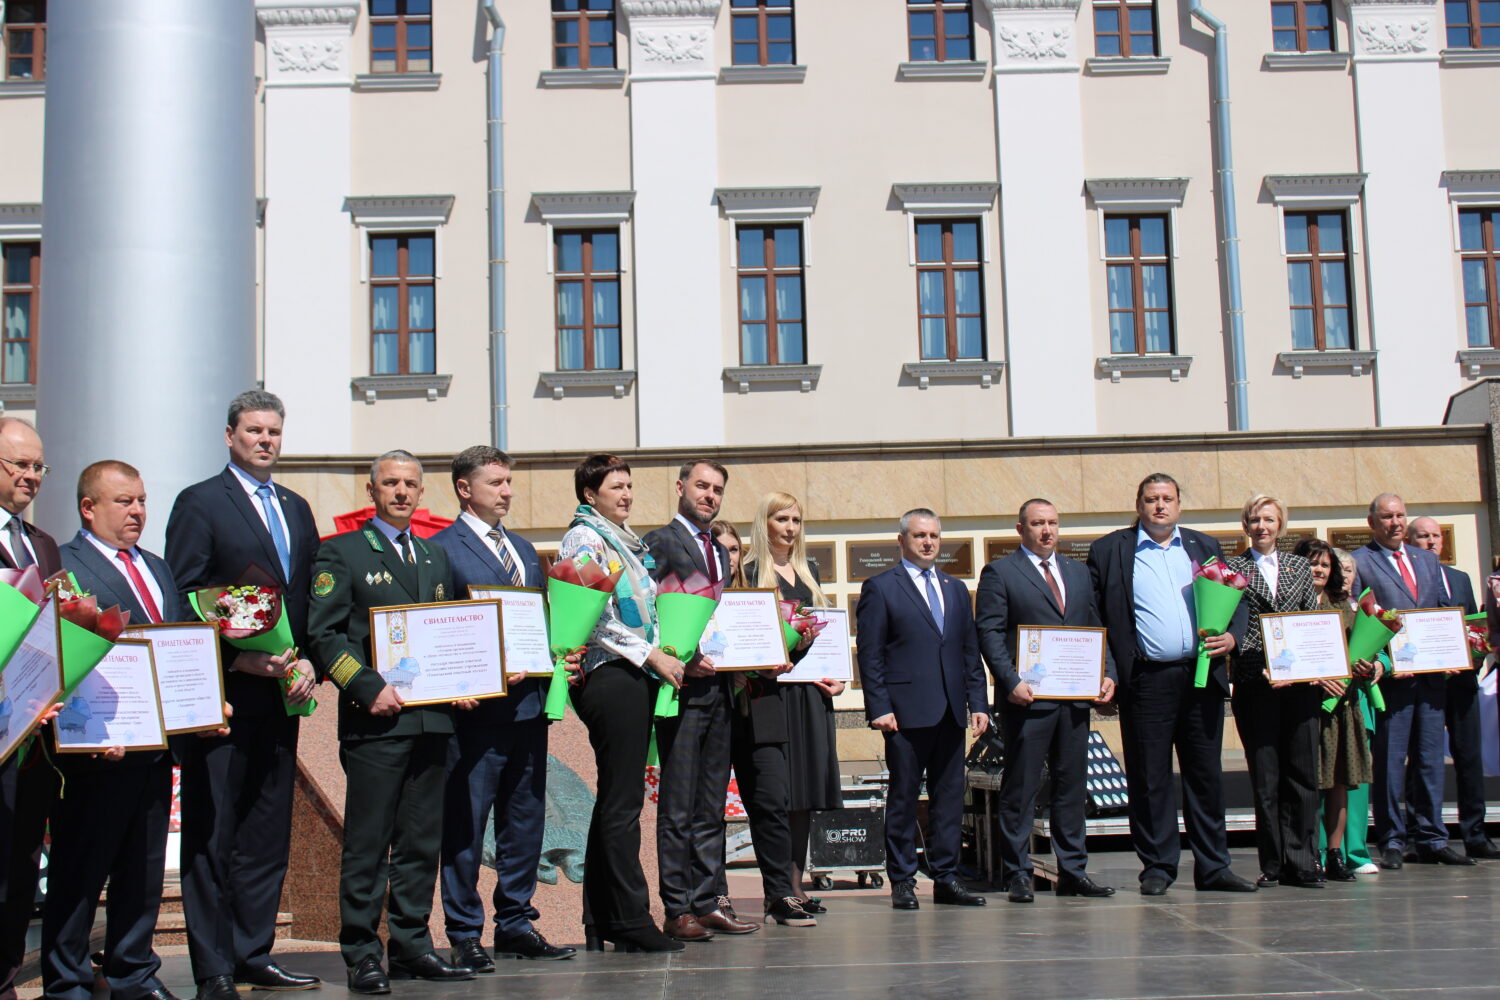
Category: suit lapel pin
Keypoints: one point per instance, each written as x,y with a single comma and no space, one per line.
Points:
387,576
371,578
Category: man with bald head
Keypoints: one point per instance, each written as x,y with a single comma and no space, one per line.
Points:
1461,702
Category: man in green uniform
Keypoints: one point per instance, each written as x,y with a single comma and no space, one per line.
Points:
393,755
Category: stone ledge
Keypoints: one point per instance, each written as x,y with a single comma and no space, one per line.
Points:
778,73
1127,65
373,386
1174,366
1475,359
957,69
986,373
1358,362
397,81
23,88
607,79
1307,60
805,377
619,379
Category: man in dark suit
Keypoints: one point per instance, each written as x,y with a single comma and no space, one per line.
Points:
237,790
694,745
498,757
1404,577
924,684
394,756
26,791
1034,586
112,823
1142,579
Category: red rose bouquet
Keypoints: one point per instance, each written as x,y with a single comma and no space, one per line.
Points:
249,615
87,632
798,620
683,609
577,591
1217,591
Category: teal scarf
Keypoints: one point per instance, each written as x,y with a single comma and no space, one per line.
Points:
633,593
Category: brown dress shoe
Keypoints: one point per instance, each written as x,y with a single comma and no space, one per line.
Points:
725,923
687,928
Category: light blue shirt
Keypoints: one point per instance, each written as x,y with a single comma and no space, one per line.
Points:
1163,582
391,531
250,485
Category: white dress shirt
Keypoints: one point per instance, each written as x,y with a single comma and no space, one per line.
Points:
483,531
251,484
111,556
1269,565
937,583
5,536
1051,561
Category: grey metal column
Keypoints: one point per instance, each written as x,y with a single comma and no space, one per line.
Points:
148,231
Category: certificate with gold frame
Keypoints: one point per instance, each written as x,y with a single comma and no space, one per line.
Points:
115,705
1431,640
523,622
745,631
189,674
1305,646
432,654
1061,662
31,680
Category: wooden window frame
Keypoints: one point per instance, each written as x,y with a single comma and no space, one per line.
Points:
584,17
1317,258
401,52
1489,252
1123,8
588,277
939,37
949,267
1300,8
38,32
761,13
1137,261
1475,26
770,271
33,288
403,282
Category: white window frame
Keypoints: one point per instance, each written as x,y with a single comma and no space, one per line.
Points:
399,213
1311,192
584,210
765,207
946,201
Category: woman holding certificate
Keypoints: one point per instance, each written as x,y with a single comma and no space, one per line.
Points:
778,558
1278,722
620,671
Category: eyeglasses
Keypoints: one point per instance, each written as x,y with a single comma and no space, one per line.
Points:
36,468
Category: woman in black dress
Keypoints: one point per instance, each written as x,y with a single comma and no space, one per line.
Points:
778,558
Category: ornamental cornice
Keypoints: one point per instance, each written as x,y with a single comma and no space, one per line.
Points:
307,15
1391,3
1003,5
1163,191
671,8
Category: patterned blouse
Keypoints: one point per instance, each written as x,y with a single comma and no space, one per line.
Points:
612,638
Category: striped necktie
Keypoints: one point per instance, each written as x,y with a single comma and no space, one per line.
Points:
509,571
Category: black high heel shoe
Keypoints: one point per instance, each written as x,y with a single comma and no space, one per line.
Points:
644,940
593,940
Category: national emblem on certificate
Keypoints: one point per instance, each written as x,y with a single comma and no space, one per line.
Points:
1305,646
433,653
1431,640
1062,663
523,621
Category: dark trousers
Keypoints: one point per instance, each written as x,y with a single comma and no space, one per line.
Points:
1280,728
236,832
111,823
1059,735
1161,711
1465,743
938,752
504,768
393,827
28,793
1410,733
615,703
694,751
764,778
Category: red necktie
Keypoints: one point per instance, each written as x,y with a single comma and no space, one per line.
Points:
1052,582
710,557
153,613
1411,581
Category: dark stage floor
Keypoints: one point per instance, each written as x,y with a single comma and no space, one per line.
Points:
1421,932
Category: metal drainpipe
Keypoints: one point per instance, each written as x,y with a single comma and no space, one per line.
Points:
1239,410
495,127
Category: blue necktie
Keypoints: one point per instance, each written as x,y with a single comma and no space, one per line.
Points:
273,525
932,599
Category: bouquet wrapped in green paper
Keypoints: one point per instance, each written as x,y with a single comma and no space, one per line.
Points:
683,608
1373,629
21,595
577,591
88,633
798,620
249,616
1217,591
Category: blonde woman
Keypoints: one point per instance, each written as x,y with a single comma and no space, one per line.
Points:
778,558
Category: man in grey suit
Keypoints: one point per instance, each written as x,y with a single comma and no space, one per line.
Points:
1404,577
1034,586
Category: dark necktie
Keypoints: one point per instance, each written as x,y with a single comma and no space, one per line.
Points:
1052,582
403,546
138,584
710,557
21,555
508,569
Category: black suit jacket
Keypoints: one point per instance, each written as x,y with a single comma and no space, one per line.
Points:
1112,566
48,561
1460,590
1012,594
1294,592
213,535
678,552
472,563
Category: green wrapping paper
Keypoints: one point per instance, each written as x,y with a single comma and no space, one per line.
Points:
682,619
17,612
273,642
1215,604
791,635
572,613
81,652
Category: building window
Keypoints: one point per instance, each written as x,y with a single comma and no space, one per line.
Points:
1139,278
1473,24
1481,263
18,315
583,35
587,265
403,299
25,39
950,294
1317,274
940,30
773,325
1125,28
762,32
1302,26
400,36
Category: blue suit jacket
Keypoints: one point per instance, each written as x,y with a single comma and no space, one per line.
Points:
1377,573
473,562
906,665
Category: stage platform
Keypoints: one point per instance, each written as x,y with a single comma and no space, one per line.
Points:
1423,932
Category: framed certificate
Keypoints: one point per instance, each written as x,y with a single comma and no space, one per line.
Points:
745,632
1061,663
189,675
436,653
1305,646
831,654
1431,640
115,705
31,680
523,622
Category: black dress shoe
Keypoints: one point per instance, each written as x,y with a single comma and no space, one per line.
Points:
217,988
431,967
1484,849
1068,885
530,945
1268,880
955,893
1155,885
1336,868
1227,881
1018,888
904,895
1447,856
468,951
160,993
645,939
273,977
366,977
1304,880
1391,860
788,912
